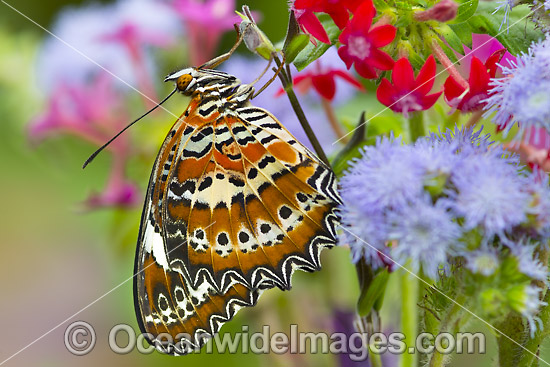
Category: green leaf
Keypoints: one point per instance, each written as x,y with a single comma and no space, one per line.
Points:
351,149
311,53
292,31
519,36
450,36
466,9
380,5
372,292
298,43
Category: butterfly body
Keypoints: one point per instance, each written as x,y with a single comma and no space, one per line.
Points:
235,204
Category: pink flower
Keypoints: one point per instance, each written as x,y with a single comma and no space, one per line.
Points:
361,43
94,113
206,22
323,80
119,192
408,94
471,98
483,46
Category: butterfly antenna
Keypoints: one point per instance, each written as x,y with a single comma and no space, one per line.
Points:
92,157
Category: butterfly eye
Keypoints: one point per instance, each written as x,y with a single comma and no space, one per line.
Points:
183,81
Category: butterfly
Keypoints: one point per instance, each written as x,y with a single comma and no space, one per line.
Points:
235,204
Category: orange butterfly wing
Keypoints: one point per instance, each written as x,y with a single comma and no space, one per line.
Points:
235,204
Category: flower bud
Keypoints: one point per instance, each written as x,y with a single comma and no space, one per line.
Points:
254,39
443,11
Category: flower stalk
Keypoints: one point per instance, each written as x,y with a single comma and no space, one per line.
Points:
286,81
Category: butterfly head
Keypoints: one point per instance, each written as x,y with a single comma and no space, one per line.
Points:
189,80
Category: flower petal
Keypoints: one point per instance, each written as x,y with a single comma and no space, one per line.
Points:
382,35
479,77
385,92
349,78
345,56
429,100
426,76
402,75
380,60
324,84
452,90
312,24
339,15
365,70
362,18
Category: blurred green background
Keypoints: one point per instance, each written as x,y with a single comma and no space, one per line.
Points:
59,259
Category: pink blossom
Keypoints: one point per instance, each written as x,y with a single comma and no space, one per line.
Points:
93,112
483,46
206,22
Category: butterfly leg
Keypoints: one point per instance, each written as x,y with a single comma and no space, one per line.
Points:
220,59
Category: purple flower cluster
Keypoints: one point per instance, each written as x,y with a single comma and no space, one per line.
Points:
521,96
421,203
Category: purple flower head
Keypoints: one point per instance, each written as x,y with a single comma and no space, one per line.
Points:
521,96
389,194
540,204
482,261
364,234
463,141
386,176
527,301
489,193
528,263
437,157
424,233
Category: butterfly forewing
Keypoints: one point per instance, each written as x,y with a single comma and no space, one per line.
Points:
235,204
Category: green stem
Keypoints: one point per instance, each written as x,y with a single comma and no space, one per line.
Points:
409,316
375,360
286,80
447,325
416,126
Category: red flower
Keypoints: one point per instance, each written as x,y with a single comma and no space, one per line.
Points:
337,9
470,99
408,94
361,43
324,81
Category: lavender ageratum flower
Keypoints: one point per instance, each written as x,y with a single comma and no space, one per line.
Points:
425,233
462,140
528,263
389,174
389,194
364,233
527,301
521,96
482,261
489,193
